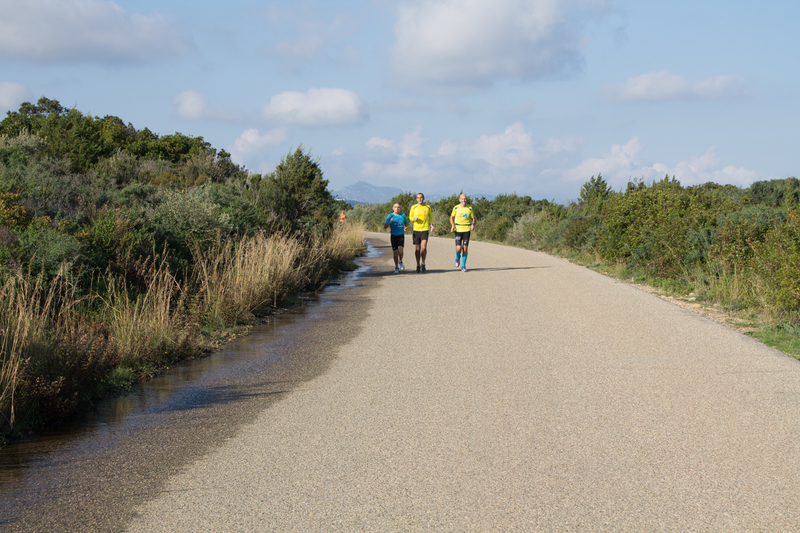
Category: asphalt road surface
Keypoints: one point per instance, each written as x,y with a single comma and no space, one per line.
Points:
527,394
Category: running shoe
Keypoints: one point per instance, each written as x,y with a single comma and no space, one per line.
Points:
458,263
396,270
463,269
423,267
402,267
419,269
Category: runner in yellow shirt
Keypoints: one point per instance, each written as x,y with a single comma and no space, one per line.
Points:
462,221
422,217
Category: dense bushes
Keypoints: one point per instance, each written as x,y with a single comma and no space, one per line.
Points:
122,250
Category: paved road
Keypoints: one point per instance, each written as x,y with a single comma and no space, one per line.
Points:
527,394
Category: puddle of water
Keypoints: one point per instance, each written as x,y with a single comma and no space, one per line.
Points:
181,387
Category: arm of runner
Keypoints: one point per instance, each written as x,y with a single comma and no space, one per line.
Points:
386,223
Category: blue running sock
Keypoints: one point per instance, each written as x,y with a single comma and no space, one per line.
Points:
464,260
458,257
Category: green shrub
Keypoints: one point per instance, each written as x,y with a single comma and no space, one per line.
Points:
12,214
42,248
778,263
737,231
117,239
774,193
493,228
594,194
582,231
664,228
371,216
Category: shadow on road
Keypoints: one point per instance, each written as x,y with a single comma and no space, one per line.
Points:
410,270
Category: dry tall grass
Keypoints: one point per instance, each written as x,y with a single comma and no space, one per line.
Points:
72,344
14,326
236,277
345,242
26,320
147,326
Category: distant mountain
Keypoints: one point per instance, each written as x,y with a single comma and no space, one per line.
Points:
365,193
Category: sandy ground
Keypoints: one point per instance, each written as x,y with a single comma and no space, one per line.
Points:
527,394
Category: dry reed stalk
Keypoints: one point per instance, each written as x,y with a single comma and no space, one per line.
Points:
235,278
14,326
346,242
25,319
149,322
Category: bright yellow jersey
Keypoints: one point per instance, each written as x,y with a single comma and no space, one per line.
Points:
463,218
425,217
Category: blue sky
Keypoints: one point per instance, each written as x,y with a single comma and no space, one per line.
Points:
503,96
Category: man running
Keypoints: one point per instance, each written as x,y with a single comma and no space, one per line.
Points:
399,222
422,217
462,221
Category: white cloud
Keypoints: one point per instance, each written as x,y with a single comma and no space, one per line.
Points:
447,148
411,145
12,95
250,143
317,107
619,164
512,148
406,168
666,85
623,163
76,31
706,168
380,142
194,106
515,148
464,44
554,145
407,163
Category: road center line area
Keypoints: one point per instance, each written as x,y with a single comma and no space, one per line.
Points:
526,394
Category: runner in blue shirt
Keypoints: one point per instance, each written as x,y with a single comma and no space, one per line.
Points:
398,221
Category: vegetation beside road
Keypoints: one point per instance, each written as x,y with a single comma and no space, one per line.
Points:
122,252
732,248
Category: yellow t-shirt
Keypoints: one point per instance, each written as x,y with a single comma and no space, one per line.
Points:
425,217
463,218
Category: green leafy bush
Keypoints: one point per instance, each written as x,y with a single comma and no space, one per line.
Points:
736,232
778,263
44,249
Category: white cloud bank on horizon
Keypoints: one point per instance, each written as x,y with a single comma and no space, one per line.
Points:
78,31
12,94
191,105
318,107
506,157
623,164
467,44
511,159
666,85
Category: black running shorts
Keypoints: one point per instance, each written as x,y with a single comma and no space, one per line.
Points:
398,241
418,236
462,238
